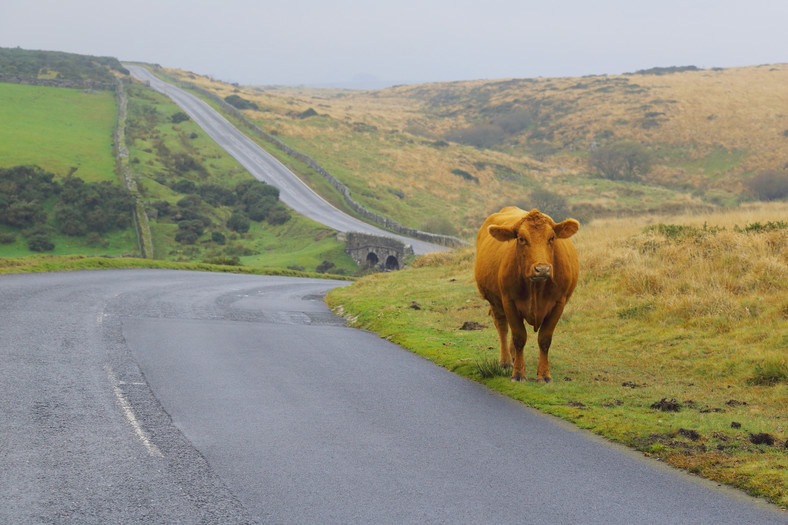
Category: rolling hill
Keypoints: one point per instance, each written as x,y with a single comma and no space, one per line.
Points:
458,150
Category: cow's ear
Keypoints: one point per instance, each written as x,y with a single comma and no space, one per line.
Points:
501,233
567,228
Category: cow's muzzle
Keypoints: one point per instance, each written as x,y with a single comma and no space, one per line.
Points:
541,272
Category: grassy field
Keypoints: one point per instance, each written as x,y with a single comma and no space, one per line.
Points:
60,130
689,316
63,131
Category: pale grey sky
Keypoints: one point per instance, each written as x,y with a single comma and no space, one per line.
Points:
321,42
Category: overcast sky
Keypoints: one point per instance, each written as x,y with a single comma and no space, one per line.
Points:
324,42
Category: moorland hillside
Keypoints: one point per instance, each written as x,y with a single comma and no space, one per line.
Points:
440,156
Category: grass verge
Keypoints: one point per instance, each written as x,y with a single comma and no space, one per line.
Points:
673,346
54,263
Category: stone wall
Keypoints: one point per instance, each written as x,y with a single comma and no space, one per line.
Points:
141,221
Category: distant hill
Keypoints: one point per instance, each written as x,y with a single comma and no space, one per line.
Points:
23,64
458,150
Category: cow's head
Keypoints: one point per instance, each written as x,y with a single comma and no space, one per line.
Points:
534,238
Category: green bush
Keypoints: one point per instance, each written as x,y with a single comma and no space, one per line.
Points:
218,238
324,267
189,201
240,103
216,195
483,135
179,117
184,186
239,222
278,215
186,237
27,194
40,243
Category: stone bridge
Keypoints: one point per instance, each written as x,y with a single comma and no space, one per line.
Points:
383,253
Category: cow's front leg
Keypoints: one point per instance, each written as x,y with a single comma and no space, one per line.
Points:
519,337
545,338
503,335
543,368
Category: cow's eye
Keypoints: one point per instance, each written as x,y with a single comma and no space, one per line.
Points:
551,239
522,240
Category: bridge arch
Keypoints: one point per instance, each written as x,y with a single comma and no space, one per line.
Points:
374,251
392,263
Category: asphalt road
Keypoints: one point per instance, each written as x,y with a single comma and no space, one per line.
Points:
146,396
267,168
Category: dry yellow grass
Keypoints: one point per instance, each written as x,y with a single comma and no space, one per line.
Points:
715,272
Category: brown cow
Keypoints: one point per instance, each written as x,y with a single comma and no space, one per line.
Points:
526,268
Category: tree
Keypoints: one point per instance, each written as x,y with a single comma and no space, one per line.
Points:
549,203
769,185
621,161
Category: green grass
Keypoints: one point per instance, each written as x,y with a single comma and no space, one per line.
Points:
58,129
115,243
621,346
300,242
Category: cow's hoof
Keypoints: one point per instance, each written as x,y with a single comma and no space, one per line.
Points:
543,380
516,378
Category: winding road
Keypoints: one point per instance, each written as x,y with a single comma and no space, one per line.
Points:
263,166
153,396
